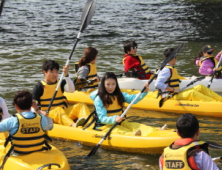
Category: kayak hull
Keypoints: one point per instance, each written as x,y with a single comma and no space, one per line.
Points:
149,103
155,142
136,84
53,158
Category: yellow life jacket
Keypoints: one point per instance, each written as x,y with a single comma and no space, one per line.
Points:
48,92
30,136
174,80
92,74
142,69
177,158
1,114
114,108
214,60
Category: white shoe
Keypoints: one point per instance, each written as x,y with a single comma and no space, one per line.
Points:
80,122
164,127
137,133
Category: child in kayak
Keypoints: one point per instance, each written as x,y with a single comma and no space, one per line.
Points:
21,123
43,92
168,80
86,70
187,152
109,102
134,65
207,62
3,110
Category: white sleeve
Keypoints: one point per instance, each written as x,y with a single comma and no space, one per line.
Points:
4,109
204,161
163,76
69,87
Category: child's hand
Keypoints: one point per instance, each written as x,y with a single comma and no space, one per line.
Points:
96,78
119,119
147,86
66,70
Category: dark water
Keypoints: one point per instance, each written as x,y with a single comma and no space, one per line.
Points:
32,31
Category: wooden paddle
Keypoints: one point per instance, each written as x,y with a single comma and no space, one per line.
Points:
87,14
161,102
173,54
212,76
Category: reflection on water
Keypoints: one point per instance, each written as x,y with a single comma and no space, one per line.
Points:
32,31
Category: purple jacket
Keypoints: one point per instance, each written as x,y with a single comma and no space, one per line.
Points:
207,65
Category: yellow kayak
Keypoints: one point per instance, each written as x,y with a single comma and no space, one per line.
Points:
150,103
37,160
154,142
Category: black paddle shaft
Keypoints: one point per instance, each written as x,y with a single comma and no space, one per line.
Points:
87,15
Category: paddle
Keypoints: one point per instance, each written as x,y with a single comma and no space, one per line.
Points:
87,14
161,102
217,159
212,76
173,54
214,145
1,6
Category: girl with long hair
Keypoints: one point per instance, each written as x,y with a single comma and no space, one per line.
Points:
86,70
109,102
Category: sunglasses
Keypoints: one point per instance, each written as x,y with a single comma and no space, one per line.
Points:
210,52
135,47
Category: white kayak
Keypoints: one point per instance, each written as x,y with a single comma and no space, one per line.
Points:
134,83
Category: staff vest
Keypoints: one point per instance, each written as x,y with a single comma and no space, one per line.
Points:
30,136
92,74
181,157
142,69
48,92
174,80
214,61
1,114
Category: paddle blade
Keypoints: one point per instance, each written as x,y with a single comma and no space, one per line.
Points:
93,151
161,102
2,6
172,55
87,14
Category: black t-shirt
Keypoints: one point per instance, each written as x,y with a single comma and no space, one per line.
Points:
37,91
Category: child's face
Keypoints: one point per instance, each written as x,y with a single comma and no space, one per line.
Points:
51,75
132,51
110,85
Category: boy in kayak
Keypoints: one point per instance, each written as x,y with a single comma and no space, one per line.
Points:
168,80
207,62
187,152
3,110
43,92
86,70
134,65
26,128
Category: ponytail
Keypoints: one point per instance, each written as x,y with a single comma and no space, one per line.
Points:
89,55
198,57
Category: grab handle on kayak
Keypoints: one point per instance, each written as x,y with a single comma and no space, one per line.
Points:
48,165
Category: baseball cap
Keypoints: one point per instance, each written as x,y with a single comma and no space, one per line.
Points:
207,48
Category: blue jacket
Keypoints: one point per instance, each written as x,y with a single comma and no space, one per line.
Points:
11,124
101,110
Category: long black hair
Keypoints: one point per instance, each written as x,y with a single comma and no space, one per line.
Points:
107,97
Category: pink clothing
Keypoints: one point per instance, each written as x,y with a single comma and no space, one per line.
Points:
207,66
